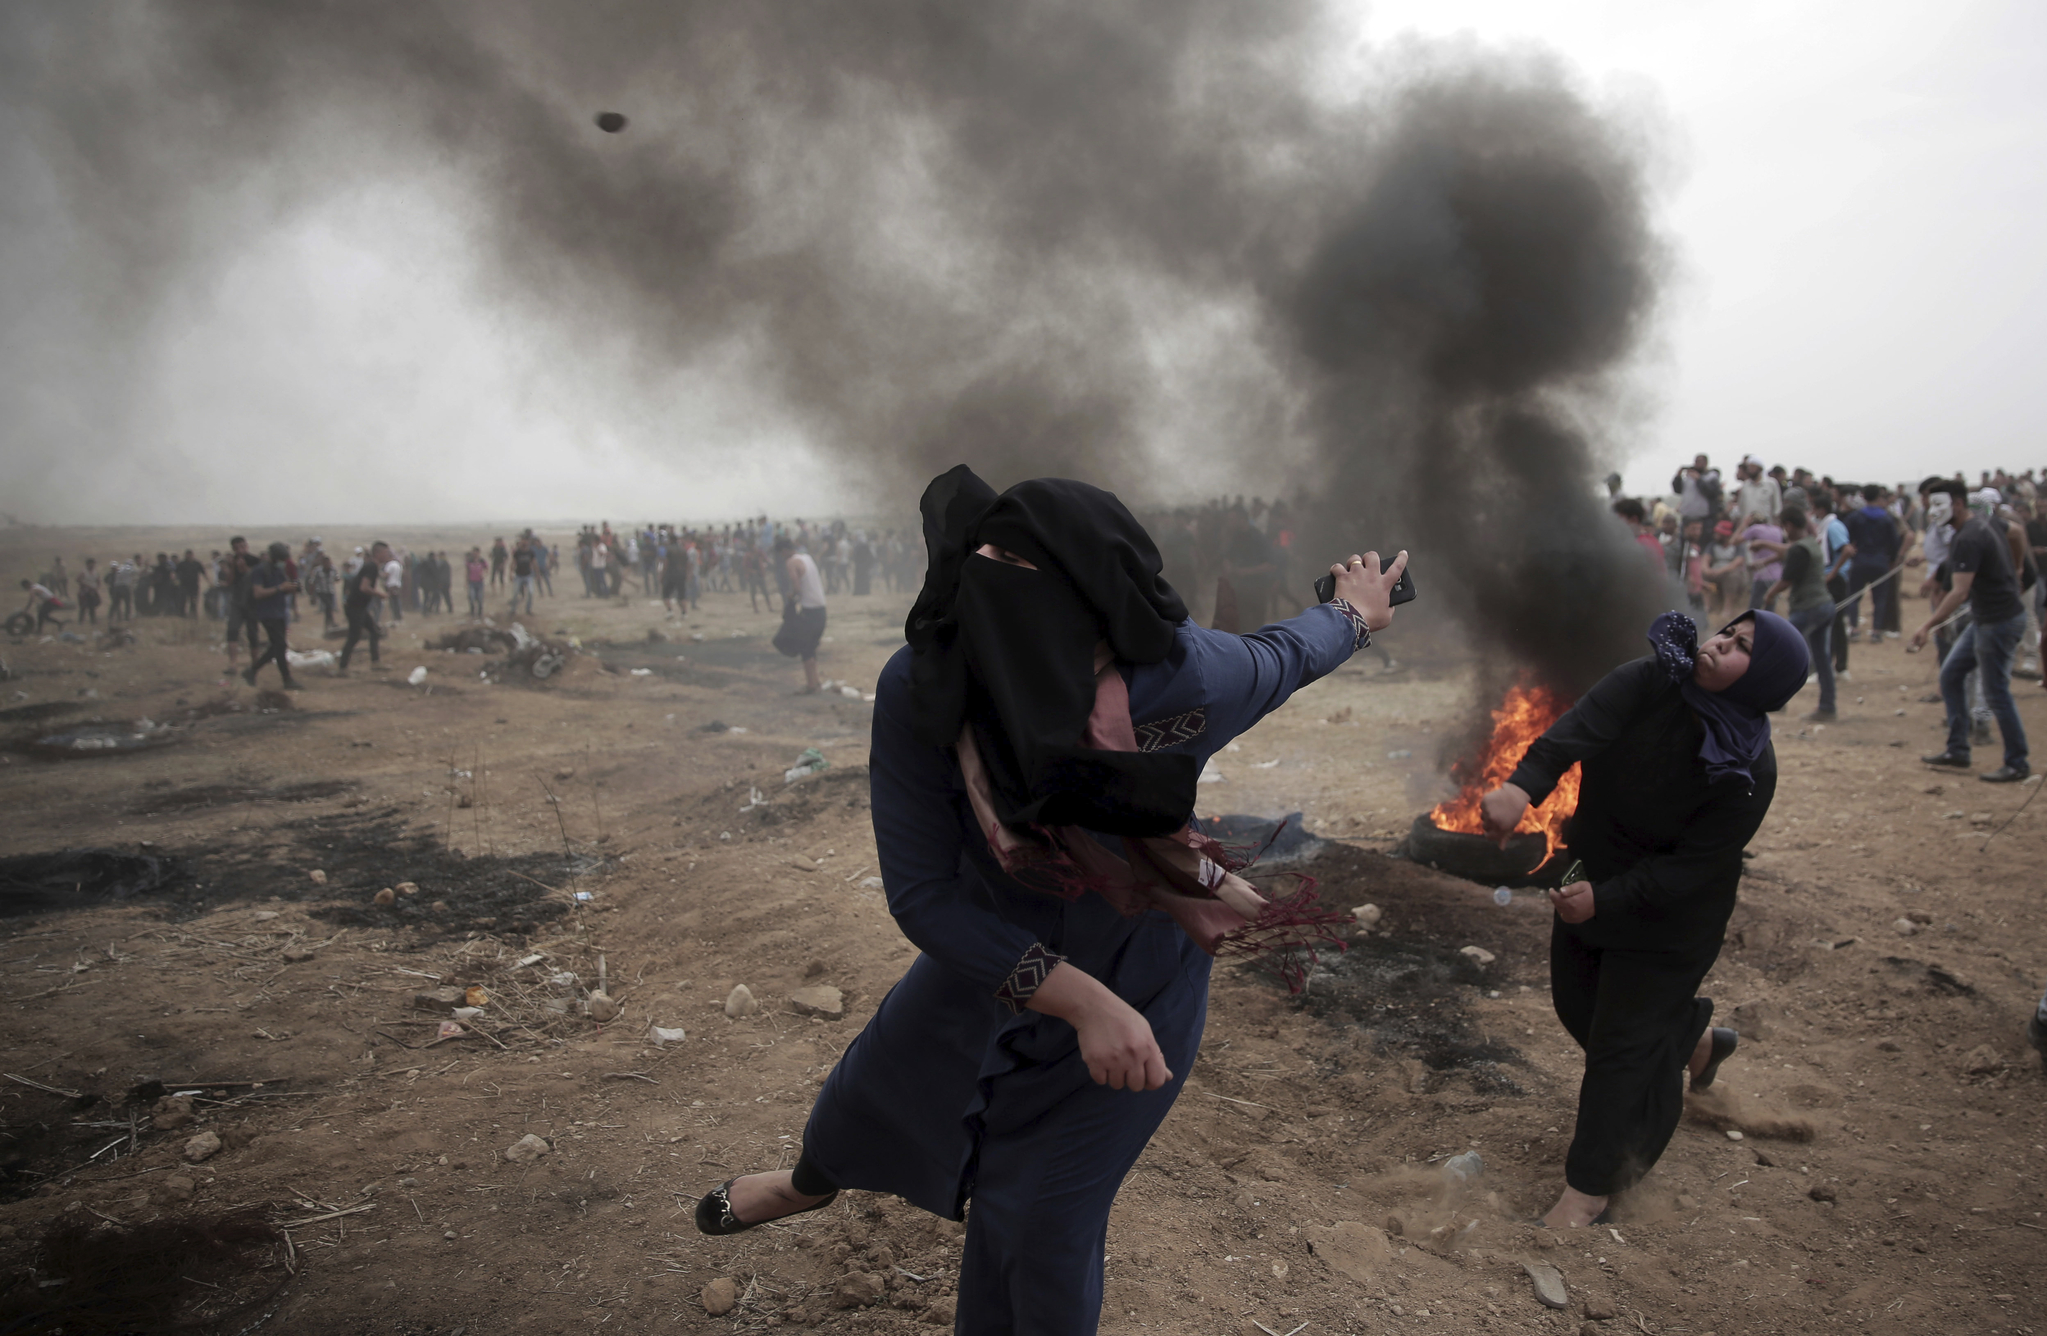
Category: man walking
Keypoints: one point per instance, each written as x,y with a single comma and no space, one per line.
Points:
1983,575
1812,608
365,591
522,576
238,567
270,584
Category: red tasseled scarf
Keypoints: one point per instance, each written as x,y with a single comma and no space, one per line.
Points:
1187,874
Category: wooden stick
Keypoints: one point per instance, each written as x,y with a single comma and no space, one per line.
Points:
49,1089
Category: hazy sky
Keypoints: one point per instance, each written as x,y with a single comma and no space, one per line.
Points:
1854,193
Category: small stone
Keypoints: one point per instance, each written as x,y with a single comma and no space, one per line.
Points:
1367,916
439,906
663,1035
172,1112
294,955
319,878
527,1149
740,1002
384,897
449,1234
439,999
1763,1159
1588,1329
1478,954
720,1296
940,1313
1904,927
178,1188
1820,1192
1733,1134
202,1147
407,888
814,970
1982,1060
819,1000
857,1289
1601,1310
265,915
1549,1284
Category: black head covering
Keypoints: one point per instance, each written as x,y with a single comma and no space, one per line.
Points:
1010,651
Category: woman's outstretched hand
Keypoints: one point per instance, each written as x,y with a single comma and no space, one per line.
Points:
1116,1041
1502,810
1360,583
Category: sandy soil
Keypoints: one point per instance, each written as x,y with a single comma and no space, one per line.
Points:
1885,1180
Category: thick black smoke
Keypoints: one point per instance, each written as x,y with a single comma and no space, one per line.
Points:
1115,240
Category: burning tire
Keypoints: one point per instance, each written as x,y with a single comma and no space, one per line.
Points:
1475,857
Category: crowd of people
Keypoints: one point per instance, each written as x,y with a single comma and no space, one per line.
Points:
790,564
1970,553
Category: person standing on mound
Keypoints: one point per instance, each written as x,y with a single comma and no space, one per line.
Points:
1035,752
1678,774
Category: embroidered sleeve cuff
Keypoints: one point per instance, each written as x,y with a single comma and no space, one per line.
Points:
1361,635
1022,984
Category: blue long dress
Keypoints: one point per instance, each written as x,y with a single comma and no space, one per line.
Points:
950,1094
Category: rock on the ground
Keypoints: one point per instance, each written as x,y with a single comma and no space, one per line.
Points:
940,1313
318,877
1820,1192
202,1147
1904,927
439,999
527,1149
1353,1249
740,1002
407,888
296,955
1982,1060
663,1035
177,1187
720,1296
1549,1284
1601,1310
819,1000
857,1289
172,1112
1478,954
384,897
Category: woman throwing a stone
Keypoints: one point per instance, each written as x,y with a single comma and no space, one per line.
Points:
1678,774
1035,752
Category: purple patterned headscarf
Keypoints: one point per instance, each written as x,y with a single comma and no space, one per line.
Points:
1737,720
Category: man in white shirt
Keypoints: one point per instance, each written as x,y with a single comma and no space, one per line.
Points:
1758,499
394,589
803,613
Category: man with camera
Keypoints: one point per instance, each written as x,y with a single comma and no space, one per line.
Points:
270,586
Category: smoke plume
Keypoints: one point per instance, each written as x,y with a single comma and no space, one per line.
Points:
1156,243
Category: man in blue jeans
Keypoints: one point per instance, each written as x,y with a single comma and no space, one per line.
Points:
1981,561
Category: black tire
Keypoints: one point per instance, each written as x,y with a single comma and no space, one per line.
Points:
1474,857
20,624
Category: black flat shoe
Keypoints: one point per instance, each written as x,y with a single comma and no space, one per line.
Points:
1725,1041
714,1211
1951,759
2005,774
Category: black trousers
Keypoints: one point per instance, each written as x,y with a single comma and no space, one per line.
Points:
274,628
360,624
1637,1015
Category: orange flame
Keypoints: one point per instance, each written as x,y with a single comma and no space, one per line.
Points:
1519,720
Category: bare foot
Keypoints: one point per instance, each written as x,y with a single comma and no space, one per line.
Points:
1702,1053
1574,1210
759,1197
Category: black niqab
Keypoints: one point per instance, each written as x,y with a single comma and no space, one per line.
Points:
1010,651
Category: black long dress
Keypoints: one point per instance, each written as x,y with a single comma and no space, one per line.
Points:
1662,847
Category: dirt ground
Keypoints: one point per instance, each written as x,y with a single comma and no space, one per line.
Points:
634,811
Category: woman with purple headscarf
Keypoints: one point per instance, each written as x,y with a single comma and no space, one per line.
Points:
1678,774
